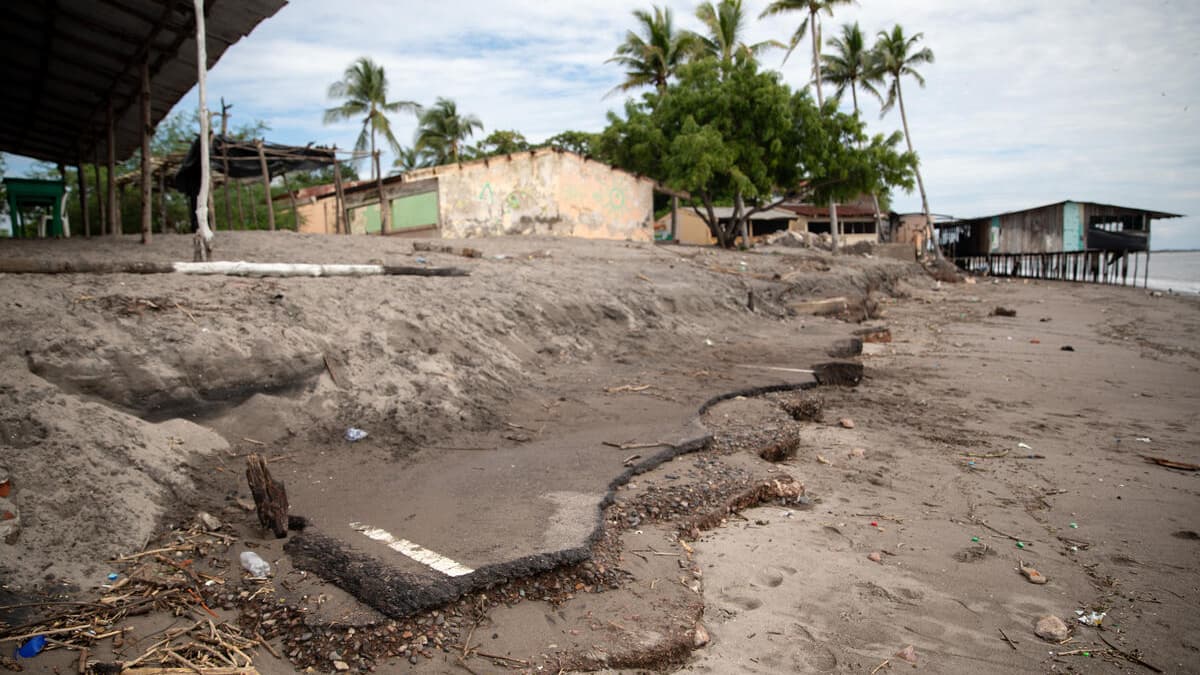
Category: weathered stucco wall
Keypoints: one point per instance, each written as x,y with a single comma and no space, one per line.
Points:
548,193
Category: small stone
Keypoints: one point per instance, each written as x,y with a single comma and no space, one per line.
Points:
858,453
209,522
908,654
1034,576
700,636
875,556
846,423
1052,628
341,665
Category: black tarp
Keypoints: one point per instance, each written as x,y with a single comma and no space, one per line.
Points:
244,163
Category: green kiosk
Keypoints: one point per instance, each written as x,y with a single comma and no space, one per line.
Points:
25,193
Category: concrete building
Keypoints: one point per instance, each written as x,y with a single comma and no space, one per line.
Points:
546,192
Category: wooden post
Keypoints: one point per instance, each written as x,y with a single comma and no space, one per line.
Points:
1146,273
292,199
202,241
147,132
385,221
270,496
674,217
339,198
162,198
83,200
101,212
114,210
266,176
225,159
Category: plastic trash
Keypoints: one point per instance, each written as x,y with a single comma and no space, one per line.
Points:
1090,619
353,434
255,565
113,576
421,260
32,647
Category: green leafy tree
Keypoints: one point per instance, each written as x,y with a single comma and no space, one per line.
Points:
578,142
812,23
441,131
742,137
364,87
898,56
502,142
652,52
408,159
725,26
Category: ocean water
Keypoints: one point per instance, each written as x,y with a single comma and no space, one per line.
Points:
1177,271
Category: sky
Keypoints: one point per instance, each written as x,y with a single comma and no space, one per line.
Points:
1029,102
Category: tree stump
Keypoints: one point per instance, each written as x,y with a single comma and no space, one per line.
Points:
270,497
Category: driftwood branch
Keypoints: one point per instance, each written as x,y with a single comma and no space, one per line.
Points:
270,497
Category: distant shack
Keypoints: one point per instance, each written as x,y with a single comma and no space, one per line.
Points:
1068,240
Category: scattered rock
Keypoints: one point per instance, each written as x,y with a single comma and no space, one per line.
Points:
1068,348
846,348
341,665
1052,628
907,654
781,450
875,557
875,335
700,636
846,423
209,522
1003,311
1034,576
858,453
803,408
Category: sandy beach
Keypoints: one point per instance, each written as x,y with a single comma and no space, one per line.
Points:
892,514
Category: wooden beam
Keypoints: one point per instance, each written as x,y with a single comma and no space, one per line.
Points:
162,199
339,198
83,198
102,219
384,212
147,134
114,213
225,160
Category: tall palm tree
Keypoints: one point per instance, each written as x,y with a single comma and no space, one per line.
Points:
441,131
408,159
725,22
851,65
811,22
652,56
898,56
364,88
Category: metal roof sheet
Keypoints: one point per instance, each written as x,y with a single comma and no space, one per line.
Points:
62,61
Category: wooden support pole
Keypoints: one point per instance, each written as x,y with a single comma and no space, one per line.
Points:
292,200
147,133
162,199
114,210
101,211
339,198
241,206
83,199
202,240
385,224
266,176
675,217
225,159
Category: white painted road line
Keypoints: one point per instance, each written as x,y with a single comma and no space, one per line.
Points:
422,555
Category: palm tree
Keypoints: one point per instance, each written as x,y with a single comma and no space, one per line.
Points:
726,25
364,88
407,159
898,56
651,57
852,65
812,23
441,131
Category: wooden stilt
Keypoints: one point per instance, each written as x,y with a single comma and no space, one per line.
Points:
162,199
241,207
114,211
266,176
101,211
292,200
385,221
202,240
83,199
341,224
147,133
225,160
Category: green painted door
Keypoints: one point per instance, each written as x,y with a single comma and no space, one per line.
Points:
415,211
368,215
1072,232
994,235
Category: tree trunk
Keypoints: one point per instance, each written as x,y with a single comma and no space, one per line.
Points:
920,183
816,47
874,195
738,217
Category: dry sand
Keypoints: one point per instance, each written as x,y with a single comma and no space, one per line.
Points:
97,369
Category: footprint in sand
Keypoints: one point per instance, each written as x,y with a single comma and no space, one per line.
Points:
770,578
742,601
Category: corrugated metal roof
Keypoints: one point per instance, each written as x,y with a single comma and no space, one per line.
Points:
844,211
1160,215
62,61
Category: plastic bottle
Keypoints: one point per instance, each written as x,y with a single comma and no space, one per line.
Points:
256,566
